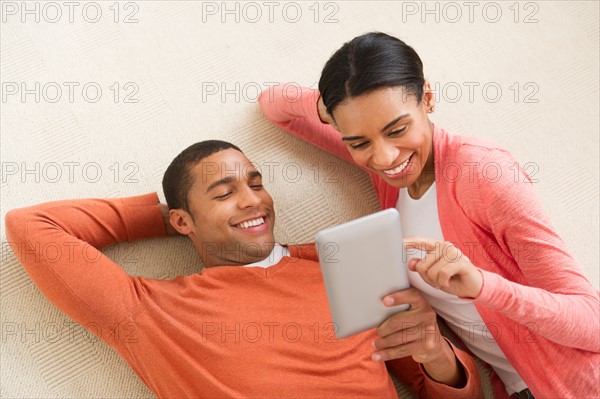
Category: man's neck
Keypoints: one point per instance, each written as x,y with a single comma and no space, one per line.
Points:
236,258
274,257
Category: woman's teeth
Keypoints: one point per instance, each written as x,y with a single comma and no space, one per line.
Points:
398,169
251,223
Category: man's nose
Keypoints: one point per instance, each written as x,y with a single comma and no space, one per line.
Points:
249,198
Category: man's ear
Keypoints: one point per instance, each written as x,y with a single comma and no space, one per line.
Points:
181,221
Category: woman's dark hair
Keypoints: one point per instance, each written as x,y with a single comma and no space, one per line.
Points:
177,180
369,62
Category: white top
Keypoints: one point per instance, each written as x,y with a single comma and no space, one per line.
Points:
420,218
274,257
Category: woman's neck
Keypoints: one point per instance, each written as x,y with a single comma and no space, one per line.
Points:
427,176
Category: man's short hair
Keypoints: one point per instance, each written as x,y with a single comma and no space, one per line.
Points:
177,180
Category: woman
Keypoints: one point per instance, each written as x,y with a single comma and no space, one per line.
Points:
493,267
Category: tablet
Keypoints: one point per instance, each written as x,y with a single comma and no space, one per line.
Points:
362,261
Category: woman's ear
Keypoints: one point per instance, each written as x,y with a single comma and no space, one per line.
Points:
335,126
325,116
428,98
181,221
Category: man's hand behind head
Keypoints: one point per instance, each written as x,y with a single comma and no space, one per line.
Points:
164,209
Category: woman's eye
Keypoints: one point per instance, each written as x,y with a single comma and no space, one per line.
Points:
397,132
358,145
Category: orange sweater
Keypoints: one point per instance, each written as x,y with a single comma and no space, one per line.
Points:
227,331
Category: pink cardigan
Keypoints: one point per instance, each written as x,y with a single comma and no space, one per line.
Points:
535,302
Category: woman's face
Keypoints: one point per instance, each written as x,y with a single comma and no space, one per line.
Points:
387,132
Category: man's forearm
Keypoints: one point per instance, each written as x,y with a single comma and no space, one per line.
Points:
446,369
99,222
58,245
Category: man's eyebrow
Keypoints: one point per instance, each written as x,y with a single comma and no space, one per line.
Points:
253,174
392,123
226,180
230,179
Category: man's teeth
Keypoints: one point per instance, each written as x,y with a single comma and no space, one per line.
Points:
251,223
398,169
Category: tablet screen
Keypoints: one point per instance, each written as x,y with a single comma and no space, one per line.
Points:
362,261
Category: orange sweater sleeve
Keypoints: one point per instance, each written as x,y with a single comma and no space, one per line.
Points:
58,245
415,377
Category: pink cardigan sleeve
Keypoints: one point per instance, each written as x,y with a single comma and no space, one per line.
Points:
554,298
58,245
294,109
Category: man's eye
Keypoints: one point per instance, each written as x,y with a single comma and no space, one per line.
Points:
397,132
256,186
223,196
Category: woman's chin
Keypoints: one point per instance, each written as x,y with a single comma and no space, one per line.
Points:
397,181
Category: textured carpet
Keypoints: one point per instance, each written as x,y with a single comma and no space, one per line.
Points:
98,97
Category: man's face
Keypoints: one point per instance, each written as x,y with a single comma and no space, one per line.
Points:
233,213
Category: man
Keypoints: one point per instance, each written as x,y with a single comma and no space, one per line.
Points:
253,323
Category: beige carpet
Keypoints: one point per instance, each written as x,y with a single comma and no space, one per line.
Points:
123,87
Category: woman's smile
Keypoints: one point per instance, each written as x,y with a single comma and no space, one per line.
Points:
397,171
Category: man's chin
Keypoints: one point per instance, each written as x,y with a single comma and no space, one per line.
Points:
255,251
251,251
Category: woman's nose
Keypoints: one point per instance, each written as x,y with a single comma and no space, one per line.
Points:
384,155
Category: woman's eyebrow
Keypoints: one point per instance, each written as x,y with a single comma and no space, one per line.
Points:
392,123
386,127
350,138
